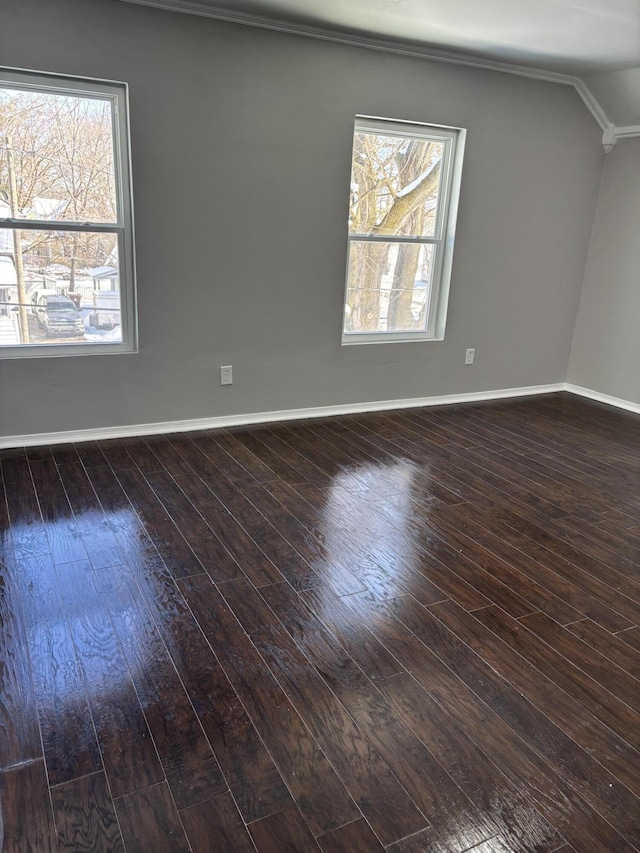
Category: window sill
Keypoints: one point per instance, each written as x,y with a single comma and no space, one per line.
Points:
361,339
64,350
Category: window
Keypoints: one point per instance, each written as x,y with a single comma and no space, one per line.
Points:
66,228
405,180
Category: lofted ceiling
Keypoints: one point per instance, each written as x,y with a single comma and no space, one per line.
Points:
597,39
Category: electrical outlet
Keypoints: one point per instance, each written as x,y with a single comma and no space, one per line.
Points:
226,375
469,357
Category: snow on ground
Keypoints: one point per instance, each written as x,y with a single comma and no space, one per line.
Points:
104,335
99,335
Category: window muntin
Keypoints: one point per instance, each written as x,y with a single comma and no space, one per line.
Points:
66,224
401,223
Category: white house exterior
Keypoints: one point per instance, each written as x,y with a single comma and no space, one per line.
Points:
8,279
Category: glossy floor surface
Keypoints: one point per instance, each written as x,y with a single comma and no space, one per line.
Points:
412,631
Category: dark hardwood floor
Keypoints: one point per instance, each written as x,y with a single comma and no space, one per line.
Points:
410,631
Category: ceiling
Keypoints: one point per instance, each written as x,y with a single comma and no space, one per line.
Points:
586,38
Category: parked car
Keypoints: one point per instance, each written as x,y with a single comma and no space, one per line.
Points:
58,316
35,293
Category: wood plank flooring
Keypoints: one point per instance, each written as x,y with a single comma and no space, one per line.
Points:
410,631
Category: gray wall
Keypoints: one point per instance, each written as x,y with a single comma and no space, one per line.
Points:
241,157
618,92
606,348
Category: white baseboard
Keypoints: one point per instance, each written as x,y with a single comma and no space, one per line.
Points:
618,402
98,433
131,430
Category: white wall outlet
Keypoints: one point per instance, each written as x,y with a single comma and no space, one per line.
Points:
226,375
469,357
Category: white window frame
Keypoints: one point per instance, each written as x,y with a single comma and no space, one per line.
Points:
443,238
118,95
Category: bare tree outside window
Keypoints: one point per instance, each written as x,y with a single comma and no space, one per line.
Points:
398,209
61,216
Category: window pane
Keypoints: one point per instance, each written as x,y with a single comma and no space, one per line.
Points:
57,150
395,181
71,288
389,287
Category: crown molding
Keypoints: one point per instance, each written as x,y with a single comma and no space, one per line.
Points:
628,131
589,99
611,133
188,7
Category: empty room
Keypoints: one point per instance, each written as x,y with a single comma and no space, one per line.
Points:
319,426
